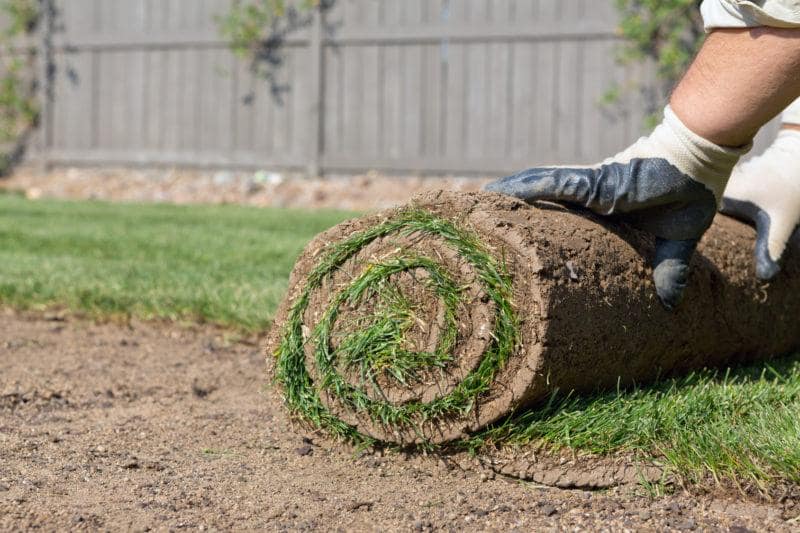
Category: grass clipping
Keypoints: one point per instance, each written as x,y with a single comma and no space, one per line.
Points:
375,347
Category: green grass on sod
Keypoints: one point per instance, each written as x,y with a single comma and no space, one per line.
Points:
229,265
740,426
302,394
223,264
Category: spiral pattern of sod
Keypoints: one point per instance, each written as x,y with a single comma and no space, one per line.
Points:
358,347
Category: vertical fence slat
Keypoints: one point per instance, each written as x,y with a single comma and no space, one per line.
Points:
567,107
455,107
432,116
498,97
45,99
522,103
331,140
244,106
316,106
353,94
371,102
392,107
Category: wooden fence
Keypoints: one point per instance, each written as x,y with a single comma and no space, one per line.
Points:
427,86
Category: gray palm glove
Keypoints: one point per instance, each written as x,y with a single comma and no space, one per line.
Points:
667,184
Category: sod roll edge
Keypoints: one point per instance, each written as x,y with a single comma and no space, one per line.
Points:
426,323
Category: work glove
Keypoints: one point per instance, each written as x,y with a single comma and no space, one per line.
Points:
765,191
667,184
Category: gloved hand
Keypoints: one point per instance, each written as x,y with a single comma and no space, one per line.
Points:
766,192
667,184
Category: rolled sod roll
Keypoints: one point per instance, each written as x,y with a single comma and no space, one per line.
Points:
428,322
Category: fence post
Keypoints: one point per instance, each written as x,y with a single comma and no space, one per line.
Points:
316,118
45,80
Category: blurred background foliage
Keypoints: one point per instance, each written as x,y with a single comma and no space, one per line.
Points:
18,110
666,33
249,24
255,29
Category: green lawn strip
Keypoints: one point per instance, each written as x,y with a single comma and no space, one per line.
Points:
739,426
227,265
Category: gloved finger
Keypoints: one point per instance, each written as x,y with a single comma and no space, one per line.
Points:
767,264
572,185
778,231
671,269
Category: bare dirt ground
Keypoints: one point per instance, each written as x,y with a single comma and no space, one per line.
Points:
151,426
363,192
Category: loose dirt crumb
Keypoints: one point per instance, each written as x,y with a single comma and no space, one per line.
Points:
97,433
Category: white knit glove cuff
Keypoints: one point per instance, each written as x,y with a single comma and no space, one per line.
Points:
696,157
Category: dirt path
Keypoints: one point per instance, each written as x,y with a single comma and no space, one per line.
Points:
160,427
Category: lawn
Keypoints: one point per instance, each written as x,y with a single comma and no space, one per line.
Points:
229,265
222,264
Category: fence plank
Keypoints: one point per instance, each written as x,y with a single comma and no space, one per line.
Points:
372,122
546,77
456,103
499,98
412,97
392,102
353,73
280,104
595,84
477,119
433,102
568,107
333,100
523,102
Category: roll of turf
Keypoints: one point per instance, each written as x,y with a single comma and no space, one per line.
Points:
428,322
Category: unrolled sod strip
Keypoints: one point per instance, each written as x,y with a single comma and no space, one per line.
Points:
428,322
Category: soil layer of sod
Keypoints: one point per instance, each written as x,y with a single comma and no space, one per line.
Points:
426,323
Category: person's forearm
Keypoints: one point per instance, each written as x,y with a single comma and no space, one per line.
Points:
740,80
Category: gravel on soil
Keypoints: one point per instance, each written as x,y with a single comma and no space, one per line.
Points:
158,426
